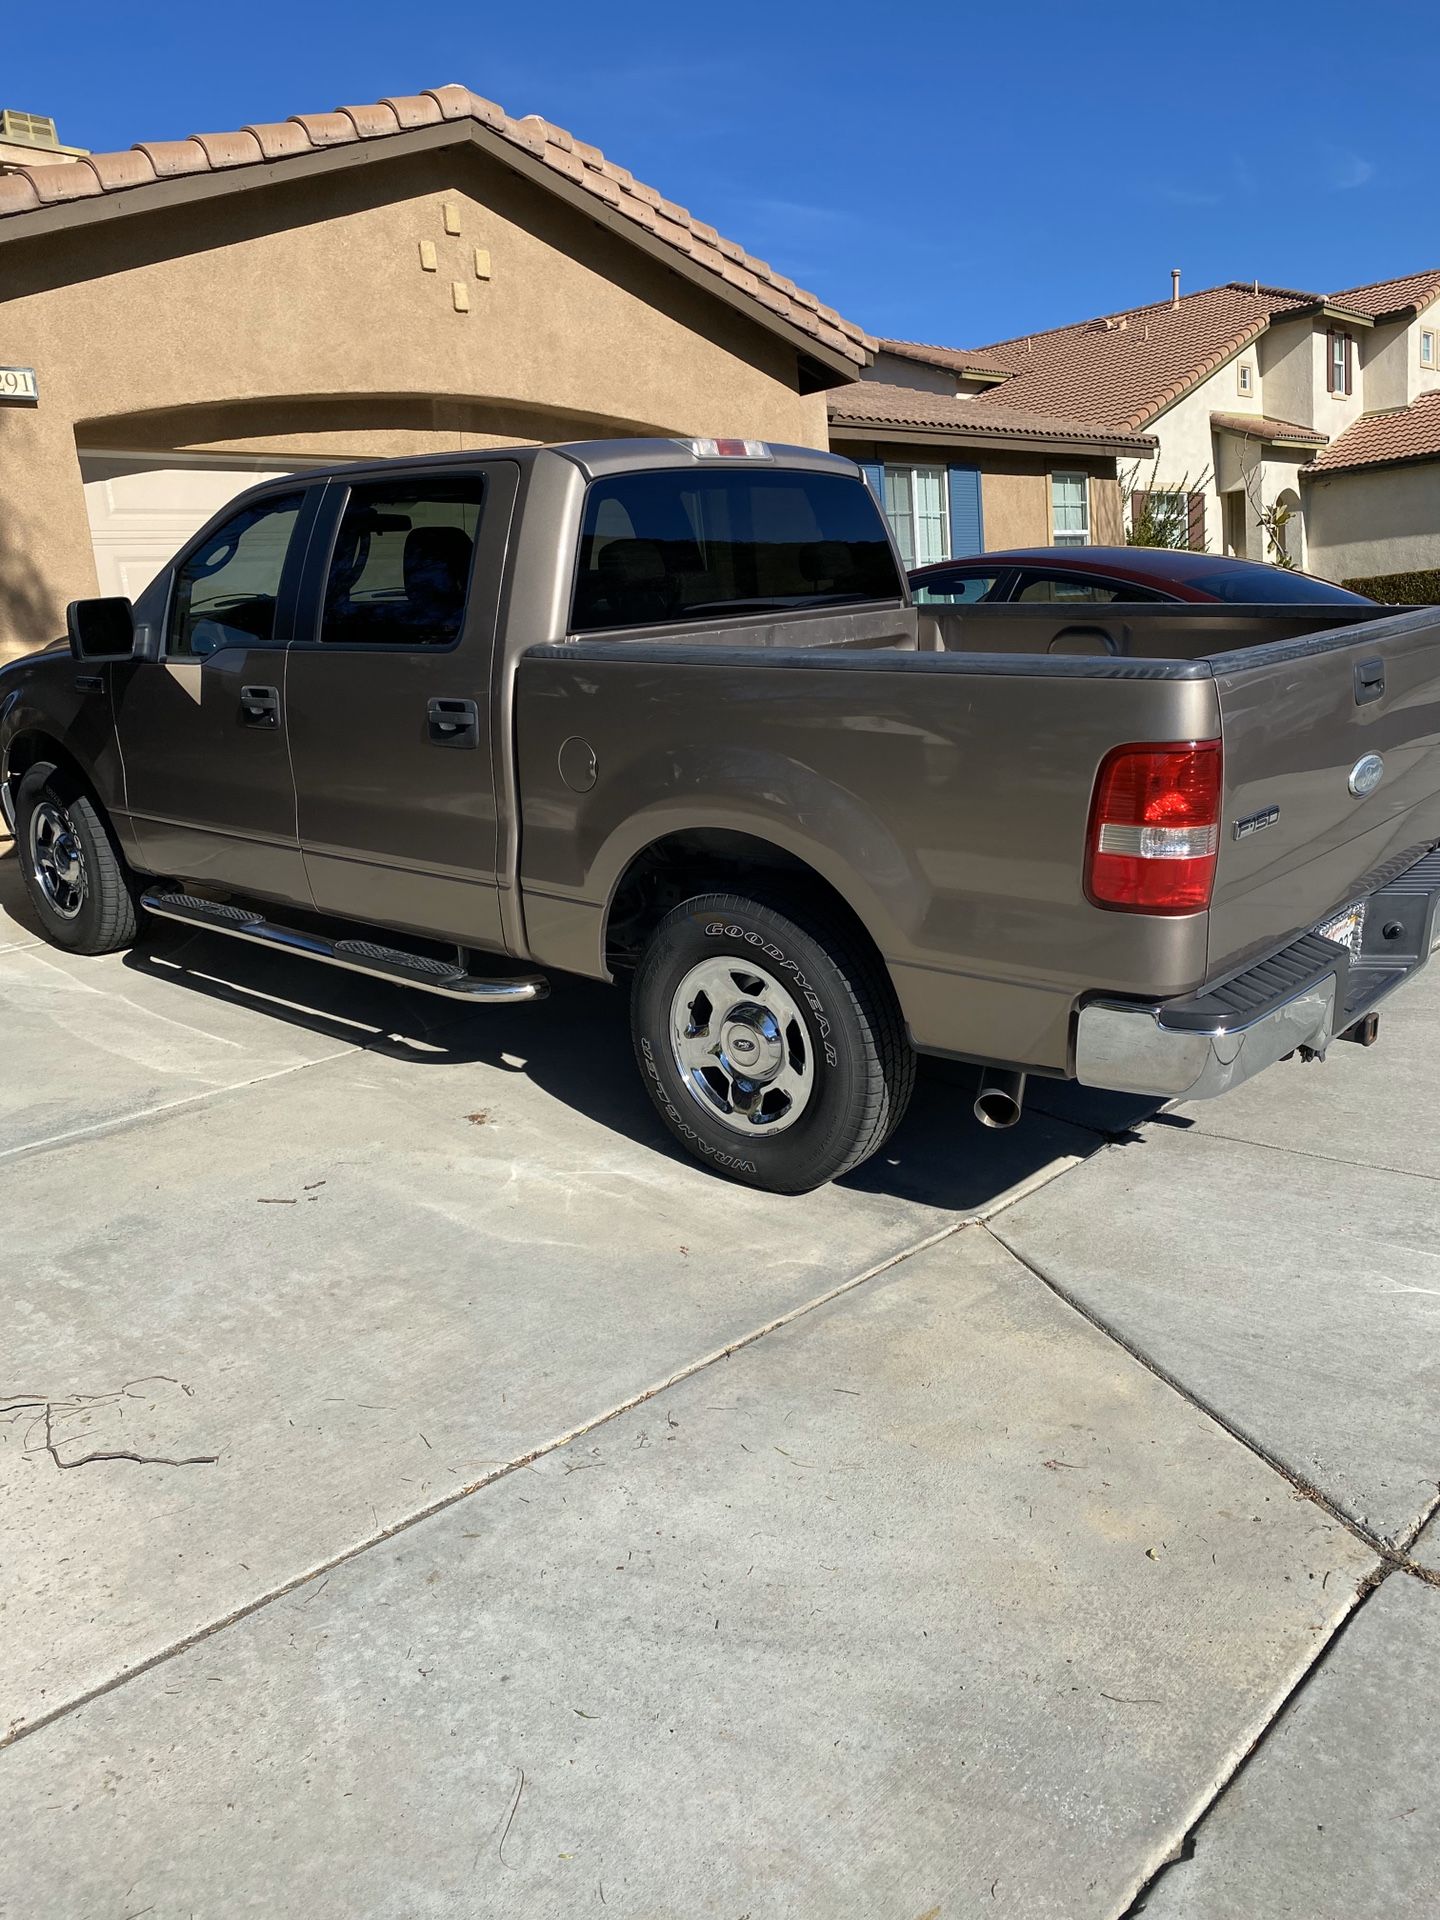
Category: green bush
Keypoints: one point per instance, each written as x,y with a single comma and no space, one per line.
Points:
1400,589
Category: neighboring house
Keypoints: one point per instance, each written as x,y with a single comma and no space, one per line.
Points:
425,274
956,478
1285,422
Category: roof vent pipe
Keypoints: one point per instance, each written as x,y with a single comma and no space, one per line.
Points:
1175,286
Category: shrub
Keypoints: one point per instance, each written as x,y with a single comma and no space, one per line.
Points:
1400,589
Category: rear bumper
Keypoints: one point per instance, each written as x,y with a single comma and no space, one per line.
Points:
1303,995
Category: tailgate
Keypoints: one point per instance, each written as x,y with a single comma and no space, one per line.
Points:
1298,841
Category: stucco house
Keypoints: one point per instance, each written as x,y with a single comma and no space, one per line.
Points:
1257,398
418,275
956,478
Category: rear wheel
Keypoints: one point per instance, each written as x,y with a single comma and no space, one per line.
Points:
771,1043
84,895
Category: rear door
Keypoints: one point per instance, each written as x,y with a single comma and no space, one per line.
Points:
202,729
1332,773
389,697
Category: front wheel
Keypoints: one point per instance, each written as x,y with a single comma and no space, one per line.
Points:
772,1045
84,895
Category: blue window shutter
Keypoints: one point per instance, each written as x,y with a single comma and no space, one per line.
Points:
875,479
967,525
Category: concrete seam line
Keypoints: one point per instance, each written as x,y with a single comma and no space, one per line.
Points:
124,1120
1309,1153
17,1733
1391,1556
1184,1849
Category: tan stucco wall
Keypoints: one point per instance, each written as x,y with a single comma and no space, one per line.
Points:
251,308
1386,520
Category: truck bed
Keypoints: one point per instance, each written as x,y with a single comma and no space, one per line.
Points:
944,791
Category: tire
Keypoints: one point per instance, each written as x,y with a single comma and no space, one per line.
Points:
84,895
731,985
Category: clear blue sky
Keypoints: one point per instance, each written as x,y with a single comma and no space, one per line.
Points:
936,172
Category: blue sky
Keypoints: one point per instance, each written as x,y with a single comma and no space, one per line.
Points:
935,172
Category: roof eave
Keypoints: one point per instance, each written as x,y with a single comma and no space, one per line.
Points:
994,441
191,188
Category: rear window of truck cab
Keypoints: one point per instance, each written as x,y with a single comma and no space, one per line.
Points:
702,544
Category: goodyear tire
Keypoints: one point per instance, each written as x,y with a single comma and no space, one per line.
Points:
770,1041
84,895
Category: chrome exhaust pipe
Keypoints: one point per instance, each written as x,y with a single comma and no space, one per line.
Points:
1000,1099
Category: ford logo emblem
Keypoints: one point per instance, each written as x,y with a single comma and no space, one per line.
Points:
1367,774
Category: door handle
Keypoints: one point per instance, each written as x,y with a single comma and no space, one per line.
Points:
452,723
1369,681
260,706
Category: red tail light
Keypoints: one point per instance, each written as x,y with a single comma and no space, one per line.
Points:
1155,828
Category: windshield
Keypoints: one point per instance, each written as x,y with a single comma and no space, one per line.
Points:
1261,585
700,543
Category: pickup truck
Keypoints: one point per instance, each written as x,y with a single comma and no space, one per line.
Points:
662,711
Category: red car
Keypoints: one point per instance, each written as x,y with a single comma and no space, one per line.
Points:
1099,574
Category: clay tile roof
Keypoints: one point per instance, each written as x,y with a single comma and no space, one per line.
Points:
1389,299
953,359
875,403
25,188
1265,426
1385,439
1124,369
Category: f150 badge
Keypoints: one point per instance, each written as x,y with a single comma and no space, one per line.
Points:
1256,822
1366,774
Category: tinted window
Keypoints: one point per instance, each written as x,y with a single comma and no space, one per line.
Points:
1076,589
401,566
1264,585
954,589
226,590
700,544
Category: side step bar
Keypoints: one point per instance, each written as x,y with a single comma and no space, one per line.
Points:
358,956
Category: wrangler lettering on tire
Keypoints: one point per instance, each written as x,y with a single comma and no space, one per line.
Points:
770,1040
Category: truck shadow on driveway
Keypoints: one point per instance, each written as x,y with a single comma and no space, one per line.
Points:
576,1047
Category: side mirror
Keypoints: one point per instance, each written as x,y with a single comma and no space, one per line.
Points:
101,629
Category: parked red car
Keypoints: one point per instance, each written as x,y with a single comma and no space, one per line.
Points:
1099,574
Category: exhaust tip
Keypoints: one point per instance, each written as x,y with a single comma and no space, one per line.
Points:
1000,1099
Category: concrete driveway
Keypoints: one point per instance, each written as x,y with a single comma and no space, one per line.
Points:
425,1494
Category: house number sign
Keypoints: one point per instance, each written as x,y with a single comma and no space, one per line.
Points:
18,383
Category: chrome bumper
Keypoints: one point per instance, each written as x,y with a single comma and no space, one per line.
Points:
1303,996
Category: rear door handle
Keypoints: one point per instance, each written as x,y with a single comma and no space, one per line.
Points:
453,723
260,706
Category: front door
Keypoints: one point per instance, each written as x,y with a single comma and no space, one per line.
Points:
389,692
202,732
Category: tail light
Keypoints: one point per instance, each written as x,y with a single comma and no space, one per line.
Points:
1155,828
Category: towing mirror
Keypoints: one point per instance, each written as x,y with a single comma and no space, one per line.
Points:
101,629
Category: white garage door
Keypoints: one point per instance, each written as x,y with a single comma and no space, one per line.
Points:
143,507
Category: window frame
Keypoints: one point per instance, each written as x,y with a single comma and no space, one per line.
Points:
1427,361
1340,345
310,613
288,594
1245,379
914,468
1071,473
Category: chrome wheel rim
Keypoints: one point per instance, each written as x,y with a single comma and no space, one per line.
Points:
56,859
741,1046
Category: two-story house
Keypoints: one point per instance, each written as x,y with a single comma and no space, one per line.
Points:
1284,422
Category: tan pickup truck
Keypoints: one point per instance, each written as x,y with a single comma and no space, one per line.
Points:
662,711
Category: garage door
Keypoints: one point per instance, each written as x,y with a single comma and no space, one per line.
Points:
143,507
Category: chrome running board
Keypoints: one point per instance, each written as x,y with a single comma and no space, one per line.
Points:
444,977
